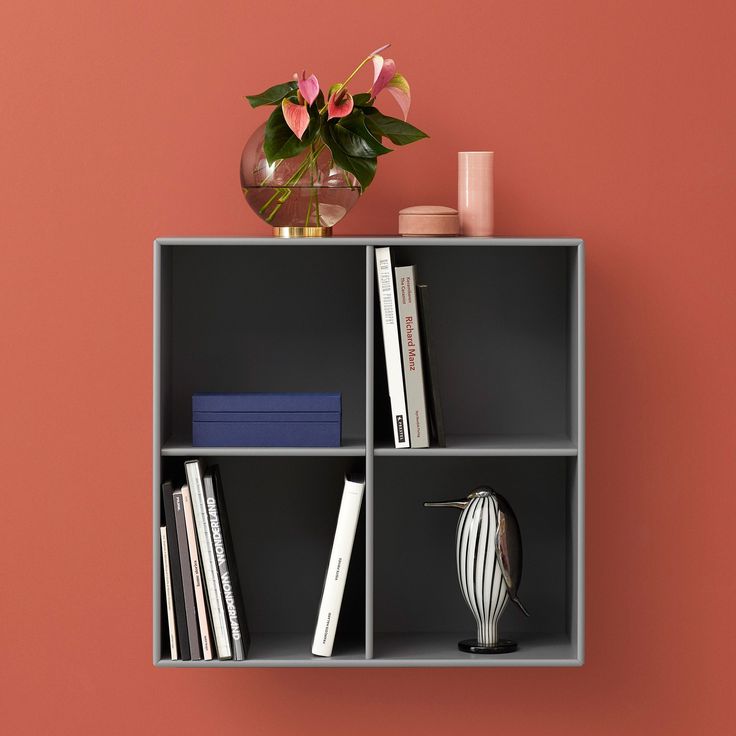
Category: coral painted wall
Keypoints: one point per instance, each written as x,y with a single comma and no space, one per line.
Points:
614,121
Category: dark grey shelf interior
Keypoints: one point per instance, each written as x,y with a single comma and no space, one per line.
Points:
507,329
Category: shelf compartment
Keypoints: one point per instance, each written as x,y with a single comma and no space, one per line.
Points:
415,579
282,513
501,332
261,319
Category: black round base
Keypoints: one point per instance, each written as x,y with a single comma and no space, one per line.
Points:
502,646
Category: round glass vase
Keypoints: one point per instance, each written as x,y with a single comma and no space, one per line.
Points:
302,196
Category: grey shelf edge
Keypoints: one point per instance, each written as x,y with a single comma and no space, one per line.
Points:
373,663
183,450
367,240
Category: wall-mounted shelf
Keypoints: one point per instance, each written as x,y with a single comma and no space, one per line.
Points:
260,314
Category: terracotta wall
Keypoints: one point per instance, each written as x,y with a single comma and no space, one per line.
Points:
121,121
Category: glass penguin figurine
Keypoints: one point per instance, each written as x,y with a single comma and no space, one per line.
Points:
488,553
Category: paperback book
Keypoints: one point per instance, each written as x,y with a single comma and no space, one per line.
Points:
177,588
337,569
168,594
186,577
225,556
412,355
199,594
208,560
391,346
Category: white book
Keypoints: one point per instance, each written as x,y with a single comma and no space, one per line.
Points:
169,594
204,626
337,570
386,298
406,296
210,568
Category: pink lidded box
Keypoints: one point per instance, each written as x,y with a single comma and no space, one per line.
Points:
428,220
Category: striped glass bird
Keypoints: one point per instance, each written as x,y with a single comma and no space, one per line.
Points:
488,552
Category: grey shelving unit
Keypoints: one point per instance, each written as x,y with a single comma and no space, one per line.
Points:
259,314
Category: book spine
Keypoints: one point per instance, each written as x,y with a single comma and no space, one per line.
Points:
199,595
430,366
223,567
410,347
177,589
208,561
186,577
169,597
241,645
337,569
387,301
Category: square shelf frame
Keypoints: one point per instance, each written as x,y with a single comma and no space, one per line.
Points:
539,316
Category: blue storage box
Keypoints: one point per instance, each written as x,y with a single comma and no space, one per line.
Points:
266,420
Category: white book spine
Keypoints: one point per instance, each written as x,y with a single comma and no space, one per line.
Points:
204,627
406,296
391,348
209,561
337,570
169,594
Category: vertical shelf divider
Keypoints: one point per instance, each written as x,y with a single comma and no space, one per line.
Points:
369,361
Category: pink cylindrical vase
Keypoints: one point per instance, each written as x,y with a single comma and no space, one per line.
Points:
475,192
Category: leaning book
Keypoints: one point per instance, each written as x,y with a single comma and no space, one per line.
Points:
406,296
337,569
169,597
224,553
199,592
208,561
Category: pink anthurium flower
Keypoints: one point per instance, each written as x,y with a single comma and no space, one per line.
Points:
383,72
340,104
308,87
385,77
296,117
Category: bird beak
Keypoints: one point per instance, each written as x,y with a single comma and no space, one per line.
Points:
461,503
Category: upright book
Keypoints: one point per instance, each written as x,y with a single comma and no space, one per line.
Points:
199,594
337,569
391,348
192,630
169,597
406,296
437,423
209,567
225,554
177,589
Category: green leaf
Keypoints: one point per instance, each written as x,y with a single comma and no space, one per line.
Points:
273,95
355,138
280,142
364,169
362,99
397,131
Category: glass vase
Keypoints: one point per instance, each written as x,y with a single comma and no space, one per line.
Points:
302,196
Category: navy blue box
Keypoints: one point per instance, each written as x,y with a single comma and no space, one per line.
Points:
267,420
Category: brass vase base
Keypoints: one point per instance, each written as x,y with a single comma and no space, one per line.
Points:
302,232
502,646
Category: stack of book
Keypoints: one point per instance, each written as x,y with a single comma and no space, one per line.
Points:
410,367
204,605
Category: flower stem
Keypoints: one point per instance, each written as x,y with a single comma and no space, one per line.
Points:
344,84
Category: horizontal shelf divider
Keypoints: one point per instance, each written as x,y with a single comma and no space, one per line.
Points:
480,445
350,448
402,650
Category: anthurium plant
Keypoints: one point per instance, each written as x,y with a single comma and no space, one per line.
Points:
304,119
